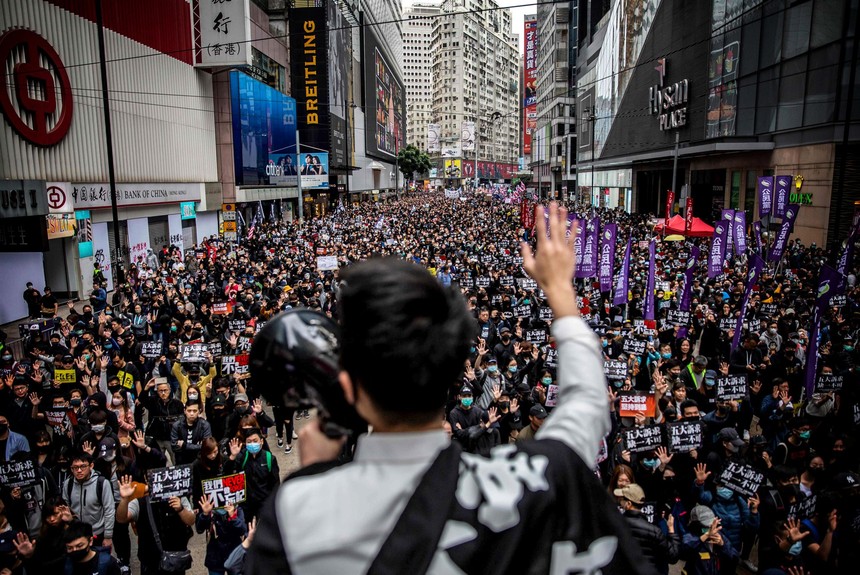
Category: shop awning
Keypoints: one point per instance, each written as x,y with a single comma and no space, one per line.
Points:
376,166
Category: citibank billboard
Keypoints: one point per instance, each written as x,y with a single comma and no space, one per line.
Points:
264,128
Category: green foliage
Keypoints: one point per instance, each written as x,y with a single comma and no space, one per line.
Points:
411,160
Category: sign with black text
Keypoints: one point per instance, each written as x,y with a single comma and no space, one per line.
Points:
615,369
678,317
684,436
643,438
634,402
226,490
151,349
193,353
522,310
18,474
741,478
167,482
536,336
234,364
731,387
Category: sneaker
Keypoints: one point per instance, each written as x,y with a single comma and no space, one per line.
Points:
295,435
280,441
750,566
124,569
288,449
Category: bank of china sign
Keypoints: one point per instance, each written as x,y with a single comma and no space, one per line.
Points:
669,101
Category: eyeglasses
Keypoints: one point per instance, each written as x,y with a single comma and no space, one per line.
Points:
80,467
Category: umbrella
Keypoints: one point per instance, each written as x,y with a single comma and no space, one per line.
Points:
674,238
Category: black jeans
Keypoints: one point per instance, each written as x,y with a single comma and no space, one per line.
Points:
284,422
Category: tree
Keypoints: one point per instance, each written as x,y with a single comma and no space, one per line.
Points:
411,160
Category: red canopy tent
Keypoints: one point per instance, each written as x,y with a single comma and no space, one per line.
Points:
677,225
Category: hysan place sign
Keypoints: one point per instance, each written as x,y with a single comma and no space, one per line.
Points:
669,102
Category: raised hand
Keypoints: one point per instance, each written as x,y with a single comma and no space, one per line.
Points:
139,439
625,455
515,405
494,416
794,533
35,399
702,473
497,392
235,447
554,264
206,505
257,406
126,487
23,545
664,455
724,368
517,348
755,387
175,503
482,347
88,447
753,503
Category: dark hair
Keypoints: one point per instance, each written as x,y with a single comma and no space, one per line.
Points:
81,456
405,337
76,530
688,403
98,416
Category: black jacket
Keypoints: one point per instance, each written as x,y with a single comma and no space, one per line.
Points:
262,475
658,549
161,415
190,448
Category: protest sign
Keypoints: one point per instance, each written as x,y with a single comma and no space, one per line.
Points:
522,310
214,348
517,260
551,357
18,474
326,263
151,349
678,317
642,438
632,402
634,346
244,344
536,336
727,323
496,300
193,353
226,490
684,436
545,314
649,511
731,387
741,478
838,301
551,395
826,383
65,376
615,369
506,281
483,282
769,309
804,508
234,364
56,417
222,308
236,325
528,284
167,482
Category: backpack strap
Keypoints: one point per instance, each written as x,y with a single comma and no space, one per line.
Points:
269,460
244,461
402,551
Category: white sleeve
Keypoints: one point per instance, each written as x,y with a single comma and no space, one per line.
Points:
134,510
581,417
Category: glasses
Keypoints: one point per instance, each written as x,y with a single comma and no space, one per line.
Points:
80,467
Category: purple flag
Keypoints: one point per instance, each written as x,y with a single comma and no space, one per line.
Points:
780,198
648,304
765,195
728,217
687,294
577,241
754,268
757,234
781,240
846,259
739,232
717,255
622,279
830,283
590,239
607,256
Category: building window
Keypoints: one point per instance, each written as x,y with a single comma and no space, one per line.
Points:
735,197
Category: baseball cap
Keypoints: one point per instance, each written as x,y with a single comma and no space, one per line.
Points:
68,358
240,397
107,449
465,390
538,411
846,480
505,330
632,493
702,515
729,434
711,375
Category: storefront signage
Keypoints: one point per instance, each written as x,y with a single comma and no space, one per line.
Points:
28,234
222,33
801,198
188,210
669,102
94,196
308,30
61,226
22,198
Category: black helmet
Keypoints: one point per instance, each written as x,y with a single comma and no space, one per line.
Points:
294,364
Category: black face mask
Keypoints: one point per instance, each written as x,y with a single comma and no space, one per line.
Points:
78,555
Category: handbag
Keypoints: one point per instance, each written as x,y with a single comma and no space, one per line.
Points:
171,561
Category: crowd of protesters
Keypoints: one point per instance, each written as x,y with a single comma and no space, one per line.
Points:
94,409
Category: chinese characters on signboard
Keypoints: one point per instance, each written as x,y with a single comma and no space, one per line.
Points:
222,33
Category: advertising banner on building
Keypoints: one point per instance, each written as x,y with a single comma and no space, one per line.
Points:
385,100
434,135
339,59
222,33
309,72
467,136
529,81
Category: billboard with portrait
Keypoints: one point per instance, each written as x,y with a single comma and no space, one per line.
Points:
385,101
339,57
453,169
264,126
314,169
529,81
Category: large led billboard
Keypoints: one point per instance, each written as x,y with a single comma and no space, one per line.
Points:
529,81
264,128
384,99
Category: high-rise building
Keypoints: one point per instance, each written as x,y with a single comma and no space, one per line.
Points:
418,26
476,79
554,137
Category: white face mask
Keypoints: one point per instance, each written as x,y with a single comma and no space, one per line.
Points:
192,397
116,401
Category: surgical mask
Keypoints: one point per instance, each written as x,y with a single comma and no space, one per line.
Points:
76,402
467,401
512,369
99,428
472,349
254,447
710,382
618,384
604,343
7,357
116,401
193,397
848,347
795,549
504,405
804,435
221,512
78,555
651,463
666,355
546,380
173,329
724,493
771,331
493,368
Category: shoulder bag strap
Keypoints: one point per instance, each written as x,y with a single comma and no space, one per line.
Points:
402,551
154,528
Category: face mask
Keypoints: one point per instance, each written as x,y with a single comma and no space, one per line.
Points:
546,380
666,355
771,331
7,358
804,435
604,343
44,448
472,349
254,447
504,404
242,410
221,512
724,493
109,458
848,347
192,397
99,428
116,401
710,382
78,555
493,369
75,402
651,463
467,401
795,549
512,369
4,427
173,329
618,384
